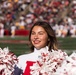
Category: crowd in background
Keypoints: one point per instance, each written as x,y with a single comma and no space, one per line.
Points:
21,14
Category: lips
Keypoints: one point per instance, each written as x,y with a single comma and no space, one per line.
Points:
36,41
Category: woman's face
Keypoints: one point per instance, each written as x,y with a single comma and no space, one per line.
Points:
39,37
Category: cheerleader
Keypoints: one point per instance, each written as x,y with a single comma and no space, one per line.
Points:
41,37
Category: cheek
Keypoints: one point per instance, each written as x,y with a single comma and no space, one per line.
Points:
31,37
44,39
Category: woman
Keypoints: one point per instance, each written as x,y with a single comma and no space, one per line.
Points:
41,37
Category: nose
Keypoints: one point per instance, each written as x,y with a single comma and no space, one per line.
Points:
36,36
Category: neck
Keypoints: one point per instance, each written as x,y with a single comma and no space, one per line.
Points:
44,48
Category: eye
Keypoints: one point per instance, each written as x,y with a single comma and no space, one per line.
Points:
41,33
32,33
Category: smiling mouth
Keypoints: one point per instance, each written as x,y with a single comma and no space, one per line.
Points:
36,42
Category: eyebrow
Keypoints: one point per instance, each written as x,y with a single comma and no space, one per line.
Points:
39,31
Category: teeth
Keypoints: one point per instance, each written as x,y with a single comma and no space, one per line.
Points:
36,41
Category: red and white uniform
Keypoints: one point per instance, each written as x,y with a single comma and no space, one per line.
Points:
28,60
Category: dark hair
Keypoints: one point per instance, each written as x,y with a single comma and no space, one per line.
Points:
52,43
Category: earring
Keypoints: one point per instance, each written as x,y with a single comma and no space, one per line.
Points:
48,39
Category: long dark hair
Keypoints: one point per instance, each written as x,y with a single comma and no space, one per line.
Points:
52,43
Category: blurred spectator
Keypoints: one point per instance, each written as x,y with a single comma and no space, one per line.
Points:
1,29
25,12
13,28
73,30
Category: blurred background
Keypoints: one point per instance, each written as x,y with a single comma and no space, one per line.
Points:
17,17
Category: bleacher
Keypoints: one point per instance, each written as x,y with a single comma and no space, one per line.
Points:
17,32
21,14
